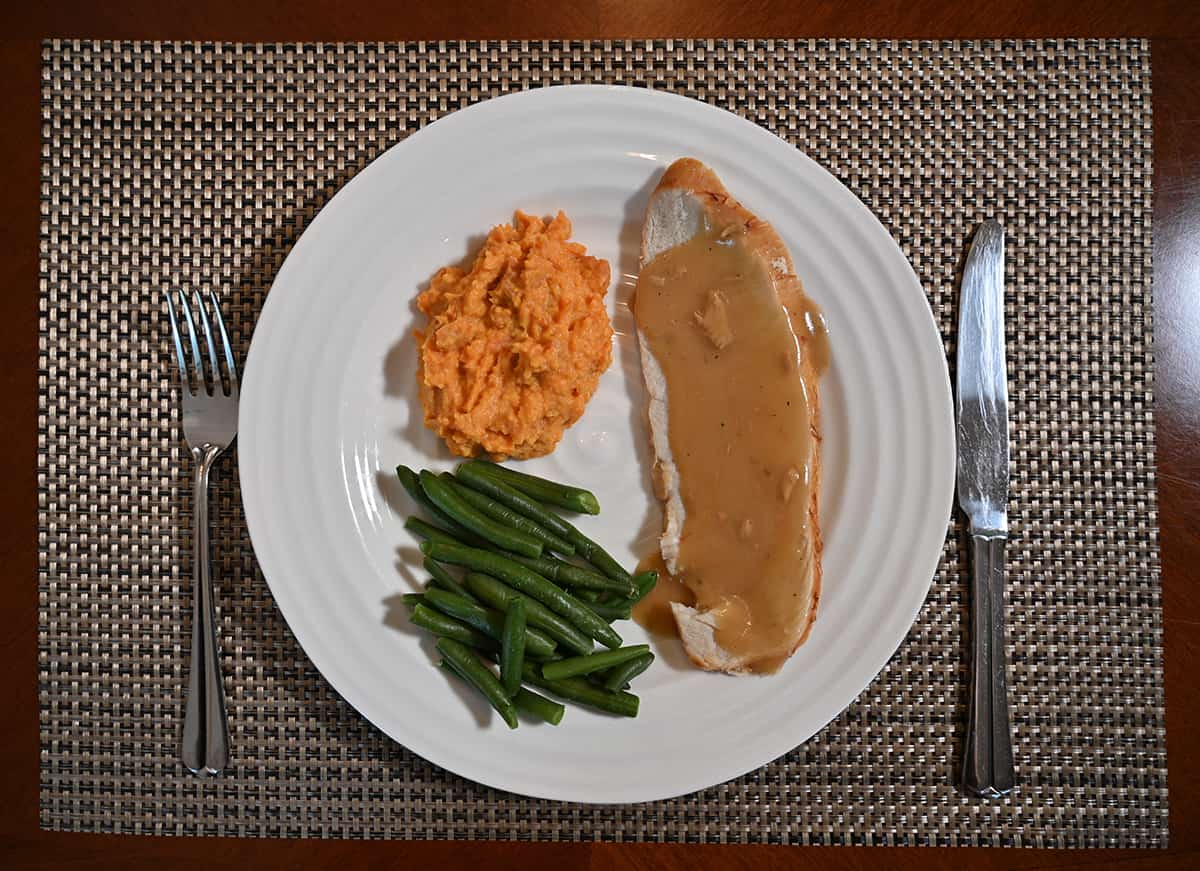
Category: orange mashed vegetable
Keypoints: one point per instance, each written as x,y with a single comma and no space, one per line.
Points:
514,347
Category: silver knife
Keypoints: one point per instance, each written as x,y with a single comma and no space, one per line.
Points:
982,410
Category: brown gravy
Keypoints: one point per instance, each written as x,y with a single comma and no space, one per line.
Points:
809,322
654,613
741,436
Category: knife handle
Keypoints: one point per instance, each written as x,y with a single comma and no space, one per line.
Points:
988,757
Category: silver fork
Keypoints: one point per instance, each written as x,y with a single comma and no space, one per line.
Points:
210,409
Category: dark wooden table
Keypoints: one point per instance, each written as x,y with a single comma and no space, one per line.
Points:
1175,30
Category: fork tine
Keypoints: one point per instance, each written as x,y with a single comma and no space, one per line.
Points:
183,369
197,361
229,361
213,359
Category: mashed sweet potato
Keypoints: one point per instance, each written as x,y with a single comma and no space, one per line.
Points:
514,347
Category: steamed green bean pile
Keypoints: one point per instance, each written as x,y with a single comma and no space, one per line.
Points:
534,597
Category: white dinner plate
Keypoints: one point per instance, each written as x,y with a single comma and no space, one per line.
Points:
329,408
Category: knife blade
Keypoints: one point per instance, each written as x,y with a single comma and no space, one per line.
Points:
981,406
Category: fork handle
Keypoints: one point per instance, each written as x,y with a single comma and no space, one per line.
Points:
205,747
988,756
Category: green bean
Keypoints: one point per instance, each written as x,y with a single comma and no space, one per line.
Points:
528,582
596,555
487,621
434,584
621,675
644,582
422,529
512,647
470,667
575,666
411,600
610,610
450,669
580,691
498,594
478,475
474,474
447,581
412,485
504,514
440,624
497,533
562,495
525,701
573,576
457,673
616,611
529,702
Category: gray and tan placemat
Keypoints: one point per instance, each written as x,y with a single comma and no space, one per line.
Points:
200,165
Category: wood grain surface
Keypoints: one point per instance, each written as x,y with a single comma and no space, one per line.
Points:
1175,29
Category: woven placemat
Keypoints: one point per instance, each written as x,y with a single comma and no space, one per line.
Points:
200,165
